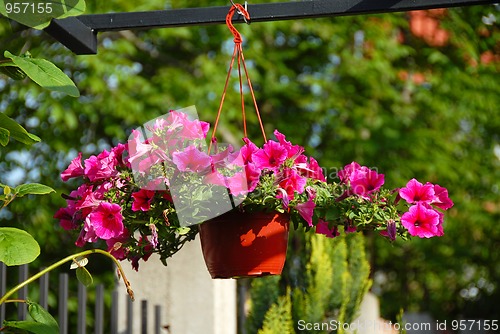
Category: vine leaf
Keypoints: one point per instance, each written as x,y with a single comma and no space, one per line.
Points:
32,189
44,73
83,275
11,129
17,247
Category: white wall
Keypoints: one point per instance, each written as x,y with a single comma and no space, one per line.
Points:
192,302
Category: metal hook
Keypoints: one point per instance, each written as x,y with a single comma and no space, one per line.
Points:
239,12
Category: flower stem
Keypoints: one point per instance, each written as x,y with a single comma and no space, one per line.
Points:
67,259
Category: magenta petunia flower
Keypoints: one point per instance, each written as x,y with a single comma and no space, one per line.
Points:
306,210
292,150
345,173
416,192
364,181
323,228
106,221
101,167
253,176
271,156
422,221
441,198
191,160
248,150
142,200
138,149
75,169
293,182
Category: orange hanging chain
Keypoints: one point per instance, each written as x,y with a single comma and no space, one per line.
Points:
237,52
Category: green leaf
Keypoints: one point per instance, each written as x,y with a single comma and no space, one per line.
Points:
41,315
84,276
45,73
17,247
31,326
38,13
9,69
4,136
16,131
32,189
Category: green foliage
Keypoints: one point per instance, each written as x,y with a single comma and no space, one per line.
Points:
11,129
17,246
84,276
264,293
335,280
38,13
278,318
44,73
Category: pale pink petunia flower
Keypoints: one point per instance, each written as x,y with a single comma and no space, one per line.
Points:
191,160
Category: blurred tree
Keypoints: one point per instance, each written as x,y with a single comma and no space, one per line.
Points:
364,88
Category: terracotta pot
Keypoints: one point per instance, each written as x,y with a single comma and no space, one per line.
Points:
238,244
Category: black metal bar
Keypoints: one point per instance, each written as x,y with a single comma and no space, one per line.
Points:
144,317
114,312
75,35
157,319
99,309
81,36
22,309
44,291
130,316
82,309
63,303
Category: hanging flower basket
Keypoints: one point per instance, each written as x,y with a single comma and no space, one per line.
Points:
150,195
245,244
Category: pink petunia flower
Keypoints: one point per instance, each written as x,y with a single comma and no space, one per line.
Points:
75,169
323,228
293,182
191,160
271,156
106,220
138,149
441,198
306,210
364,181
292,150
101,167
422,221
345,173
248,150
237,184
142,200
416,192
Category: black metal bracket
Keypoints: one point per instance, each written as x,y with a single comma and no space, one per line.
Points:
79,33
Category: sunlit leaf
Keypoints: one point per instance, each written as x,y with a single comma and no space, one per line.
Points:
17,247
32,189
15,131
45,73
